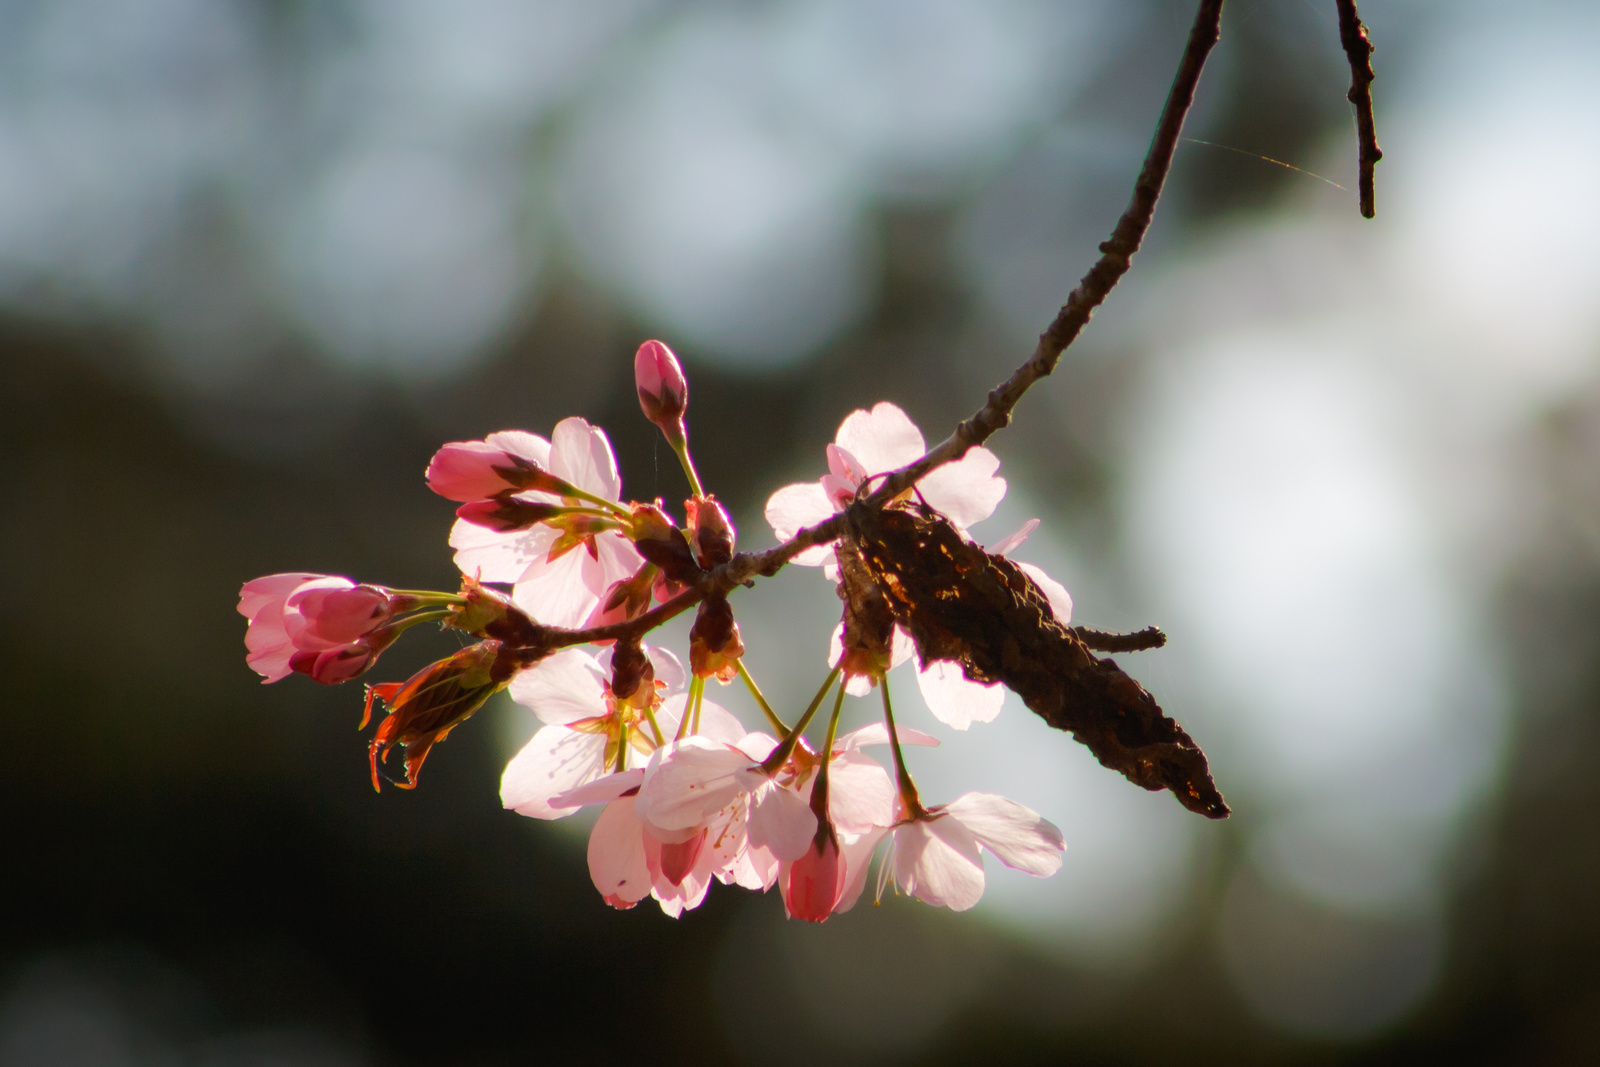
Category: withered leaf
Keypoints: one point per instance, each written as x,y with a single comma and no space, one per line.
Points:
982,611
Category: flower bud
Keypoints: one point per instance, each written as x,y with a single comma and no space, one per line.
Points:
663,391
633,677
710,531
476,470
714,643
662,543
434,701
505,513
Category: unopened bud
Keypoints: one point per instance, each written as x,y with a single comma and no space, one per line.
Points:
663,391
710,531
477,470
506,513
662,543
714,643
633,678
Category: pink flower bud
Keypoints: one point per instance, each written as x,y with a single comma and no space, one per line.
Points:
476,470
663,392
813,884
261,600
330,612
505,514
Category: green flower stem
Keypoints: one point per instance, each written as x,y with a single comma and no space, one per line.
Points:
908,789
785,749
766,708
680,447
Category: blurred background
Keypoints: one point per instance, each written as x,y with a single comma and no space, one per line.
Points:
258,258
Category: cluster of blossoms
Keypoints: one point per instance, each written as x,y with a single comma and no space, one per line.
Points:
690,795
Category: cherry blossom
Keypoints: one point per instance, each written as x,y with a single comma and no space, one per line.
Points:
936,852
557,575
323,626
663,392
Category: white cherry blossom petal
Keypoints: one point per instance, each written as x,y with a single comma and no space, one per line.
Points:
855,852
492,556
563,687
559,592
1056,593
937,860
688,781
966,491
1019,837
861,794
601,790
954,699
557,759
780,820
878,734
616,854
881,439
795,507
582,455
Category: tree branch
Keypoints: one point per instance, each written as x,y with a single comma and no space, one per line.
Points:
1116,255
1358,50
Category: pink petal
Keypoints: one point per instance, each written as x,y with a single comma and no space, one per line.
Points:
581,454
937,860
529,446
257,593
881,439
955,700
966,491
781,821
716,722
556,760
563,687
616,853
1054,591
878,734
1011,541
812,883
1019,837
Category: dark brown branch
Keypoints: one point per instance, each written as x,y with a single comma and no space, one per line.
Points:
1101,641
1358,50
1116,255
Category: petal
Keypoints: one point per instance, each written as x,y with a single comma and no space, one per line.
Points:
856,852
582,455
616,853
1011,541
861,794
937,860
557,592
618,560
601,790
878,734
257,593
881,439
498,557
556,760
563,687
795,507
966,491
781,821
954,699
688,781
522,443
1054,591
1018,836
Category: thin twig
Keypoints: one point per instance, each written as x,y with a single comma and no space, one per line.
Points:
1358,50
1116,255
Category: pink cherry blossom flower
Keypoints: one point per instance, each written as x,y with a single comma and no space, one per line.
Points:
875,442
503,462
557,577
936,852
570,693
